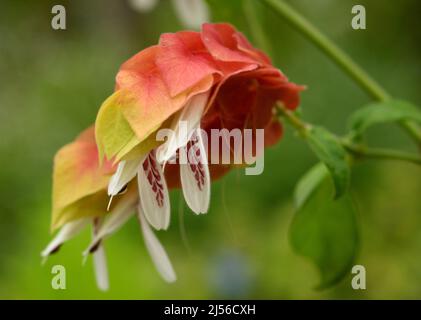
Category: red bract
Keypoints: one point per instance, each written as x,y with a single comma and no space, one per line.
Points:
241,85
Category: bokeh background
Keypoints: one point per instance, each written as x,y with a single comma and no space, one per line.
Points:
53,82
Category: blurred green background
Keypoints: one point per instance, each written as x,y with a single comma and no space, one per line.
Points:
53,82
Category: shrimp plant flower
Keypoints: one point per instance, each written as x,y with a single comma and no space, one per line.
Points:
118,168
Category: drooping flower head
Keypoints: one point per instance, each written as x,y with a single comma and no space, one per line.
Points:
187,86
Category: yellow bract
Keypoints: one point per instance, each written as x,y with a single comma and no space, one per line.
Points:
90,206
112,131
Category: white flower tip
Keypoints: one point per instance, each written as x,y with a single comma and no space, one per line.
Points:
86,252
171,277
126,171
84,258
200,211
196,208
53,247
68,231
157,251
157,222
44,254
109,203
103,287
101,270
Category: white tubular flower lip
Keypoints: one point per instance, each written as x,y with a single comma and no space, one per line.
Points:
100,261
183,126
123,211
195,178
67,232
153,192
101,269
156,250
115,179
126,171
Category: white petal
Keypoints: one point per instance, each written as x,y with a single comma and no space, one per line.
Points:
68,231
119,216
143,5
115,178
101,270
195,179
183,126
153,192
192,12
126,171
100,261
156,250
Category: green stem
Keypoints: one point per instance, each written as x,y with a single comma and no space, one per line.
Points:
301,126
328,47
357,150
378,153
338,56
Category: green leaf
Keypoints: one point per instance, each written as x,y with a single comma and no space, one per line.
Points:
309,183
325,231
333,155
382,112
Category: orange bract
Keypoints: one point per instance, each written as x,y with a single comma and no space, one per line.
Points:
78,175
